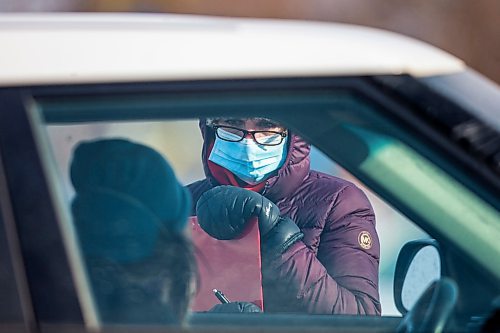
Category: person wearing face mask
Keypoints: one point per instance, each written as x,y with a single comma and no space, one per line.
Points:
320,250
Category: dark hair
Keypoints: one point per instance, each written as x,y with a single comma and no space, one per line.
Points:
155,290
215,121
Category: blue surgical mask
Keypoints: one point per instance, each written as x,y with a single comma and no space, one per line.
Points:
248,160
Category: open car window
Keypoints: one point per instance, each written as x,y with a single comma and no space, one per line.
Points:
164,136
350,139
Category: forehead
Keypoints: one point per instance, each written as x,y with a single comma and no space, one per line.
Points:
261,122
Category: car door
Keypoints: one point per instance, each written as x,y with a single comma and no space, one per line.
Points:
15,308
342,117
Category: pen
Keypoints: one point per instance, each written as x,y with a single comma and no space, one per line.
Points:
220,296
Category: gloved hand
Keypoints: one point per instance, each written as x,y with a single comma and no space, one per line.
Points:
224,211
235,307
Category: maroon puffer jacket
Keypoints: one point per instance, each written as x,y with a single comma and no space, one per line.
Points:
334,269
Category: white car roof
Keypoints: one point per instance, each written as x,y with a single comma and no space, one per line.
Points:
89,47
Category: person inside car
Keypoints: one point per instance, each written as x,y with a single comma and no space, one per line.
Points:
320,249
130,212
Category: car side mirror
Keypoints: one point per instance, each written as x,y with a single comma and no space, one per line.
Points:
418,265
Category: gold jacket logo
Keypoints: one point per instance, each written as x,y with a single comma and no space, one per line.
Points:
365,240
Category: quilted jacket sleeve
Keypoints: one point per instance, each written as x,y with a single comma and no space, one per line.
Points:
341,277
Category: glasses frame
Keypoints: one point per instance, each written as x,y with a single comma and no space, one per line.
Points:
282,134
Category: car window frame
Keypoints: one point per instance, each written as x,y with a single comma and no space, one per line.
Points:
16,310
368,88
53,299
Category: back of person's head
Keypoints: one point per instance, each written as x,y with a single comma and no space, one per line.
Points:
130,212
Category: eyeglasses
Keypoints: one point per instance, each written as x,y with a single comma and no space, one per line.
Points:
234,134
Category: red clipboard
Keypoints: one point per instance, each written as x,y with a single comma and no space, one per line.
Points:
231,266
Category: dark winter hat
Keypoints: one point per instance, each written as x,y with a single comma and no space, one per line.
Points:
125,194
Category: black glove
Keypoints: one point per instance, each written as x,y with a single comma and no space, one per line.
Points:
233,307
224,211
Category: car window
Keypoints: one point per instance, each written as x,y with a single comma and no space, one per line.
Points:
344,129
164,136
